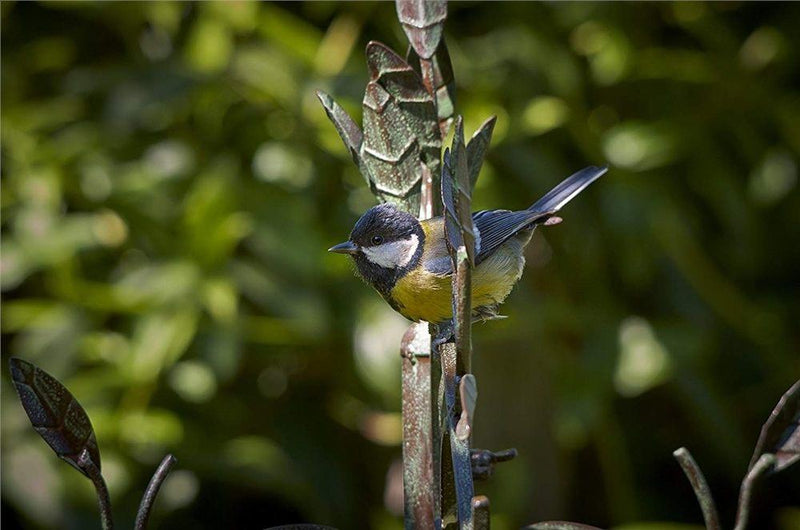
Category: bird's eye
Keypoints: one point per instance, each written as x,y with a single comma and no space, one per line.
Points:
377,240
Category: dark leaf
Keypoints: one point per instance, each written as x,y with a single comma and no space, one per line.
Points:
443,83
781,432
476,149
54,413
401,131
456,197
348,130
422,21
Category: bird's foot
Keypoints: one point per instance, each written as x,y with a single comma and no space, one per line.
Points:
486,313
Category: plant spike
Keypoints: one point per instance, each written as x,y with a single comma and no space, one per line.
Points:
457,198
349,132
455,356
149,497
423,22
476,149
438,73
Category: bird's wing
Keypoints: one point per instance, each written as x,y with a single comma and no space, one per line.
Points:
495,227
492,229
567,189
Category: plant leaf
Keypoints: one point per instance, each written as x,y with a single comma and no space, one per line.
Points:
401,129
456,197
54,413
444,83
476,149
348,130
781,432
423,21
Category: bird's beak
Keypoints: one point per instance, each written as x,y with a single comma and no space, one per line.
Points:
348,247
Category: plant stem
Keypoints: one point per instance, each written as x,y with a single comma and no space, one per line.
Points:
152,490
85,462
763,464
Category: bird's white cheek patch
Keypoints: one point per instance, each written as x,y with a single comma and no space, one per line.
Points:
393,255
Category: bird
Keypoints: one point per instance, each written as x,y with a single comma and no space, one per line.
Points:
406,260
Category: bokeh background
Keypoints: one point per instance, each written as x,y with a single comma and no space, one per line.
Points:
170,185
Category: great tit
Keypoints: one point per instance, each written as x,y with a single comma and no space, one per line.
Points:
407,262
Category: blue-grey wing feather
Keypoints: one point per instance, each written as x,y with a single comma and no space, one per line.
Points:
495,227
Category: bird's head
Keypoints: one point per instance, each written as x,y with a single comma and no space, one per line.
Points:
385,243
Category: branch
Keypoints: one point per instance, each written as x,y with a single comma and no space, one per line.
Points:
700,486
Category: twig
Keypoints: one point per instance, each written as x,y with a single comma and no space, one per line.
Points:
763,464
93,472
700,486
152,490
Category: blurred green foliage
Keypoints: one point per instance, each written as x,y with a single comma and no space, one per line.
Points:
170,185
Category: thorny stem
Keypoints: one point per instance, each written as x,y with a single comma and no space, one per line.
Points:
700,486
152,490
103,499
764,463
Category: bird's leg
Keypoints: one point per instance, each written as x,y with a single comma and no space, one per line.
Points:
486,313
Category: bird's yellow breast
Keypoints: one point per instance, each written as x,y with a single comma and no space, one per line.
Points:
422,295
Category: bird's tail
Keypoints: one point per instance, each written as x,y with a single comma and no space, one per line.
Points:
567,190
